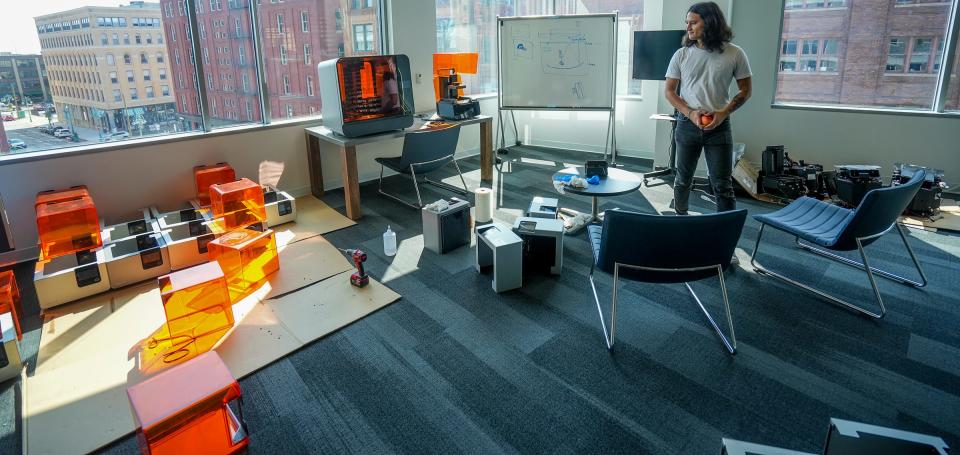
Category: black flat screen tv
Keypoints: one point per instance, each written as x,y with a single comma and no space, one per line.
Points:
652,52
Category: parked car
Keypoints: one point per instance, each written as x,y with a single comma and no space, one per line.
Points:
62,133
8,117
16,144
117,135
55,128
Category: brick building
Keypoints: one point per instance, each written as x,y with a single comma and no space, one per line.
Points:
295,35
108,67
863,53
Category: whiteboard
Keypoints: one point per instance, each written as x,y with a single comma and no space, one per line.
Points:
557,62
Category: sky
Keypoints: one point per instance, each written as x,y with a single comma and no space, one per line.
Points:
19,29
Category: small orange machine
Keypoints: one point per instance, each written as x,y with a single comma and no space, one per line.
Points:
238,203
197,305
10,299
67,226
211,175
247,257
448,86
187,409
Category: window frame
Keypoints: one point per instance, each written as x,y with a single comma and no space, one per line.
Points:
938,107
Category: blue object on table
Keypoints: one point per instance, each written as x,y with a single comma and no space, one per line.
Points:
594,180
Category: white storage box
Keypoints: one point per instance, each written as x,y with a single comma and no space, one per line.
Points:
187,243
136,259
120,231
10,363
67,278
281,207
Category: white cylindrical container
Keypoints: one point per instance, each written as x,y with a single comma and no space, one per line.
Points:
389,242
483,198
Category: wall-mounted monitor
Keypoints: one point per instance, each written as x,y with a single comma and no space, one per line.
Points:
366,95
652,52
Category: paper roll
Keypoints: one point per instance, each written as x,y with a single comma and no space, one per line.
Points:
483,200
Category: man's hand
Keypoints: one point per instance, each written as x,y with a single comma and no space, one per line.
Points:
695,116
718,118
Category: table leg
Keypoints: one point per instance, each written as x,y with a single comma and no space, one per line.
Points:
351,183
486,151
314,167
594,210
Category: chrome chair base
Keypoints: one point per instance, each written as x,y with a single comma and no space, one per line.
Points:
865,266
729,343
416,186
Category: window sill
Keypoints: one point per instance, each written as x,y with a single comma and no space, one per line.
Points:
865,110
15,158
493,95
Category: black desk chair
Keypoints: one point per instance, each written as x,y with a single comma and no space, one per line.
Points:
665,249
839,229
424,151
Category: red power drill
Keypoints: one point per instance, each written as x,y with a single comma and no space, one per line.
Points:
360,277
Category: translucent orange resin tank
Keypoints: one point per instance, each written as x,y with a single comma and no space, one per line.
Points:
187,409
67,227
54,196
247,257
10,299
211,175
239,204
197,306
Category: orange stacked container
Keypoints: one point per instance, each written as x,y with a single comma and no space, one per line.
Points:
186,409
10,299
239,204
211,175
247,257
67,222
197,307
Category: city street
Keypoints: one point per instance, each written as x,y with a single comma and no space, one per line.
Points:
29,132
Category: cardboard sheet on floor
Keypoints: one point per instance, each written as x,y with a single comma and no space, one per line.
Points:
314,217
304,263
76,400
949,221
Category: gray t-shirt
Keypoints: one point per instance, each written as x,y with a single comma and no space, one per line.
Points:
705,77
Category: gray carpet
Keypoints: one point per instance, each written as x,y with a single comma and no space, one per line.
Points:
455,368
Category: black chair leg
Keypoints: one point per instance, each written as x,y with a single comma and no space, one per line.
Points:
447,186
397,198
729,343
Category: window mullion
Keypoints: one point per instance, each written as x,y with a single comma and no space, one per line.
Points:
198,69
949,57
259,63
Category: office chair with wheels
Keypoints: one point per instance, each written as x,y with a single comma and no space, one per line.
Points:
839,229
424,151
665,249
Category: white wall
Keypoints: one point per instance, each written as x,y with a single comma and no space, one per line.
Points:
827,137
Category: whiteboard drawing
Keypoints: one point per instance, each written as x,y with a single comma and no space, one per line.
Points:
578,90
563,52
523,49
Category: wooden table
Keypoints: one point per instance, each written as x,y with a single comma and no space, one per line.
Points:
348,153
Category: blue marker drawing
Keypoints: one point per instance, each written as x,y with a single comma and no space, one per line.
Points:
521,47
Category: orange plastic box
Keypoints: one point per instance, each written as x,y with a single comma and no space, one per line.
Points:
211,175
239,203
67,227
10,299
197,306
187,409
54,196
247,257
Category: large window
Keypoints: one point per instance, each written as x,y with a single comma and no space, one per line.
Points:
830,56
469,26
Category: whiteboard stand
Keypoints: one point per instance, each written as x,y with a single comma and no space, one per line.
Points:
559,63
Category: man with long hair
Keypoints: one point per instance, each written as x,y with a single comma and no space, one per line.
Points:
703,69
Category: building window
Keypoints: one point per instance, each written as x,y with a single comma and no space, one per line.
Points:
249,108
286,85
363,37
126,38
129,76
126,59
283,55
149,38
238,28
304,21
115,38
110,60
241,59
146,75
137,39
133,94
163,74
896,55
280,23
143,58
309,85
245,82
306,53
289,111
164,90
103,39
159,57
149,91
117,96
920,55
113,77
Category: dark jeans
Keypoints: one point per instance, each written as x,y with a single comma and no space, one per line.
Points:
717,145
